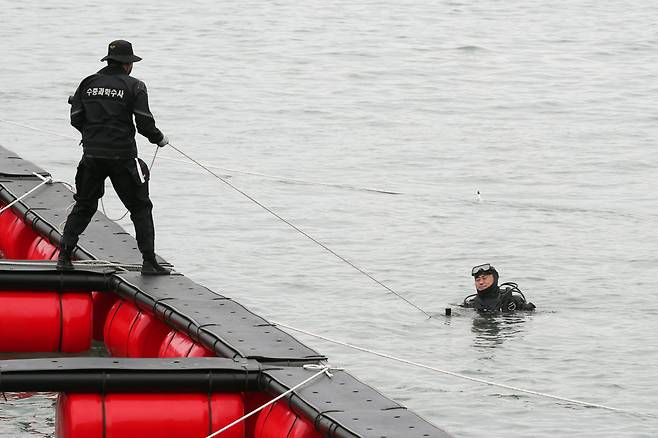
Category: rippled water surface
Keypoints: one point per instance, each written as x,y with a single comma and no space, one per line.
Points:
547,108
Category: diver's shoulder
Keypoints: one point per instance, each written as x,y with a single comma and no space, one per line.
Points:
513,293
469,301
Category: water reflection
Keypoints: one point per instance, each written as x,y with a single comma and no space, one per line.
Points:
491,330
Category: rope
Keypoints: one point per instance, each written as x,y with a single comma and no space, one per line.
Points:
44,181
71,138
108,216
38,129
299,230
293,180
155,154
323,370
94,263
207,169
106,263
473,379
275,177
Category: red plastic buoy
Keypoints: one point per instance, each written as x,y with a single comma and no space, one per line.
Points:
102,303
45,322
176,344
7,218
148,415
41,249
18,238
278,421
131,332
252,401
303,429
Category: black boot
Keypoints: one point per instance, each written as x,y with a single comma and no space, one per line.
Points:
150,266
64,259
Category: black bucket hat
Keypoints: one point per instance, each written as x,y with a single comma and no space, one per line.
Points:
121,51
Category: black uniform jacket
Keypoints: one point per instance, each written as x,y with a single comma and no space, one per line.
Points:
102,109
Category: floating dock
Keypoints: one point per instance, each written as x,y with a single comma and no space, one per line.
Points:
182,359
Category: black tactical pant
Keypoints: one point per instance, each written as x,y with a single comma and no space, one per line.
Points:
133,190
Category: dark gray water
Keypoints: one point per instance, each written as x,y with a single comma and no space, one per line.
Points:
547,108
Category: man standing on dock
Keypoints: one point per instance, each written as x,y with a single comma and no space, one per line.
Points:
102,109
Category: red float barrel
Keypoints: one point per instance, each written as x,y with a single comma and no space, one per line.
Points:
148,415
102,303
18,238
41,249
253,401
176,344
303,429
7,218
130,332
278,421
45,322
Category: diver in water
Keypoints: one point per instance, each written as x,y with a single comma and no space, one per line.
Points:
491,297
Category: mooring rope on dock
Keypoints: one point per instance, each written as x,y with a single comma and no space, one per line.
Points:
462,376
324,369
81,263
44,180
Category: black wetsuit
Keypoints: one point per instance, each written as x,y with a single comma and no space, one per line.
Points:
495,299
102,109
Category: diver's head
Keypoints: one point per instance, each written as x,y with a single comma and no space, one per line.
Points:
485,276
